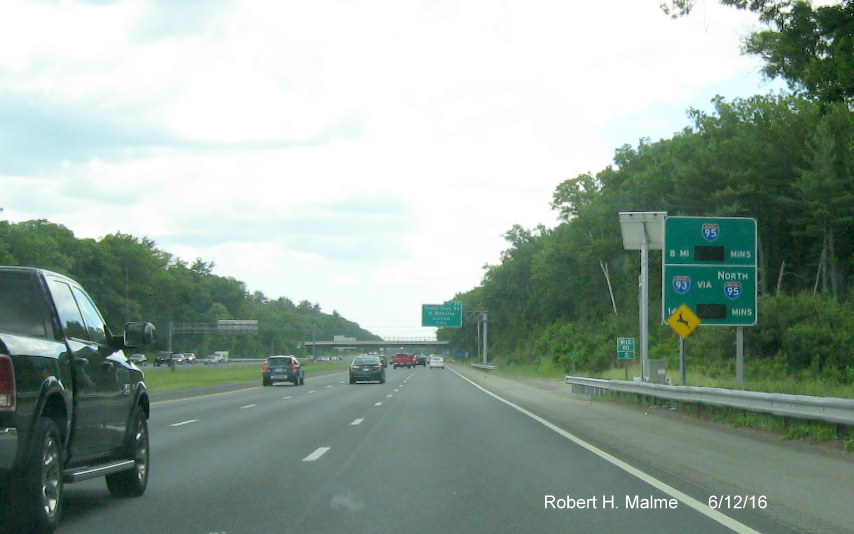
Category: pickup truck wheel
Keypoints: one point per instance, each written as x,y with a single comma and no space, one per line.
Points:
132,483
38,498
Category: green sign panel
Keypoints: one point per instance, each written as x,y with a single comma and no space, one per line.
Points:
625,348
710,266
449,314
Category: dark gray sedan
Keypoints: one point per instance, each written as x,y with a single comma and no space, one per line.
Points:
367,369
282,369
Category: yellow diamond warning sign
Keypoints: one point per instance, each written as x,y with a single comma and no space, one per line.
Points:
684,321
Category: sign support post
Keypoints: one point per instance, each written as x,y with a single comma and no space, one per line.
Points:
739,357
644,231
485,338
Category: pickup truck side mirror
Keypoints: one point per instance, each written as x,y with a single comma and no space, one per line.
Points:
138,334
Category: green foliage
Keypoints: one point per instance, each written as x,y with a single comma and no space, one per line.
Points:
822,432
579,345
785,161
809,333
809,47
131,279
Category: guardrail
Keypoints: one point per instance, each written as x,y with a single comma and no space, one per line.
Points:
828,409
482,366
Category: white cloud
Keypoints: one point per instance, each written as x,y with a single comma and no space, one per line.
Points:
367,156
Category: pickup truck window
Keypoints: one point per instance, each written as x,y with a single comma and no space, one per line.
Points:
19,306
66,308
94,322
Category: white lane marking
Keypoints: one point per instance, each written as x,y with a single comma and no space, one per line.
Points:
378,404
703,508
327,387
388,396
316,454
357,422
288,397
182,423
312,391
342,382
396,390
248,406
205,396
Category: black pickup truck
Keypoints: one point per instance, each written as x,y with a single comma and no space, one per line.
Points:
72,407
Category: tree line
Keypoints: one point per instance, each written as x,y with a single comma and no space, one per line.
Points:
567,292
131,279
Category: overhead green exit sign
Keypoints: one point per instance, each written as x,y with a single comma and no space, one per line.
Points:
449,314
710,266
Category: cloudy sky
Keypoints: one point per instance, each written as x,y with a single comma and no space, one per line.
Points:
366,155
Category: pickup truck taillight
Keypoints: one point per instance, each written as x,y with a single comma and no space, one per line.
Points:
265,367
294,367
7,384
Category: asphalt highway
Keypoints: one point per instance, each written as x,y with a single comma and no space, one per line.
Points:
428,451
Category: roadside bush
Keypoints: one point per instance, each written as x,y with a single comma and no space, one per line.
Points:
812,335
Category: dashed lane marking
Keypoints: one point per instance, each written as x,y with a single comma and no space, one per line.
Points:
316,454
182,423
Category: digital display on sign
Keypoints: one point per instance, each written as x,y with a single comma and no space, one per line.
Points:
705,253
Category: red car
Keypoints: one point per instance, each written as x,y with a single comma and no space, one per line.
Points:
403,359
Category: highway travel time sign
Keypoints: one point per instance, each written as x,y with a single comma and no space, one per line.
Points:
710,266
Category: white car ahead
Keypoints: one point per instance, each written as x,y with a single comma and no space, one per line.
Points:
436,362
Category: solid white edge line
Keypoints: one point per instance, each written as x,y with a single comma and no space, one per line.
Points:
248,406
703,508
316,454
182,423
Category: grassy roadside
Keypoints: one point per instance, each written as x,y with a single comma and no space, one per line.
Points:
197,376
785,428
792,386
